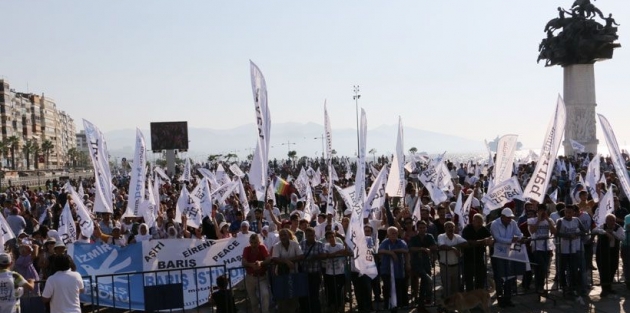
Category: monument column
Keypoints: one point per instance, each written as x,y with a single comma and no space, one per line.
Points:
579,99
576,39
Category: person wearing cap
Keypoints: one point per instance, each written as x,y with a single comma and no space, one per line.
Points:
244,231
9,282
270,238
505,232
63,288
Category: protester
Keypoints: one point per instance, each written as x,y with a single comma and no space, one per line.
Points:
9,283
223,298
609,236
505,232
313,252
255,260
63,288
394,257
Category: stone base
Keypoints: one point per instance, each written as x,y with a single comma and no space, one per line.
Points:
579,99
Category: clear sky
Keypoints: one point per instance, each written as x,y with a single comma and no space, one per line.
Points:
465,68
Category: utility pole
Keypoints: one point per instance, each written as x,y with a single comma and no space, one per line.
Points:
323,148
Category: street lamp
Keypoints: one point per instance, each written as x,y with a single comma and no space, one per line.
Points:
322,138
356,102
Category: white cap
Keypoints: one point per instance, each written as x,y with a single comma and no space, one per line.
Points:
507,212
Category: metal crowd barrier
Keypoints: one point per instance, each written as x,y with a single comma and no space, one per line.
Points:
321,289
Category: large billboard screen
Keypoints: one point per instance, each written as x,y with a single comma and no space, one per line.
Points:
169,136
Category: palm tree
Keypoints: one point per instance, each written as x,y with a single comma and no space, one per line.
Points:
28,149
73,154
4,150
47,147
413,150
213,157
13,143
230,156
83,159
292,154
373,153
36,151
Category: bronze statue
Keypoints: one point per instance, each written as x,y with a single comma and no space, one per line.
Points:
581,39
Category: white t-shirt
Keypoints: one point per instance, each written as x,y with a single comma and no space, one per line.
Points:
541,232
8,301
279,251
63,289
449,257
334,266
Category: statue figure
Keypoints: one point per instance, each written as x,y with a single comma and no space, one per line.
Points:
576,37
610,21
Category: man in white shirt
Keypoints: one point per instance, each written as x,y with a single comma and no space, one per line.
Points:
9,282
63,288
505,232
448,244
285,255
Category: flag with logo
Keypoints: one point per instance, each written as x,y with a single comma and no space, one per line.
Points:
537,186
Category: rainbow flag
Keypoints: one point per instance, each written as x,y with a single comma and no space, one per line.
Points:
281,186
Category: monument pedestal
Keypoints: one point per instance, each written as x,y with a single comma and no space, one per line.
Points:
579,99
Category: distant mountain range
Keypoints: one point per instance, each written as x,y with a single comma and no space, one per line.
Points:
305,139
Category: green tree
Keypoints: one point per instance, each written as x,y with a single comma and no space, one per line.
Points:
4,150
73,155
13,142
250,156
214,157
413,150
230,156
292,155
47,147
28,148
373,153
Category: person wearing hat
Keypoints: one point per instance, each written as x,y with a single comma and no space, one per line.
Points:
9,282
505,232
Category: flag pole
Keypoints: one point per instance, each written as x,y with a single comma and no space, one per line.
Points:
356,102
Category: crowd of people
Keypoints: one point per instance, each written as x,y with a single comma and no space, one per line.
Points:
422,257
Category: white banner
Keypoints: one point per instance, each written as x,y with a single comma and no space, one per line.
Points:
182,261
189,207
242,197
429,178
506,147
464,211
331,170
162,174
537,186
138,177
85,220
577,146
516,252
592,177
99,156
236,170
615,155
604,207
201,193
503,193
259,169
396,179
7,233
67,229
376,196
186,176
